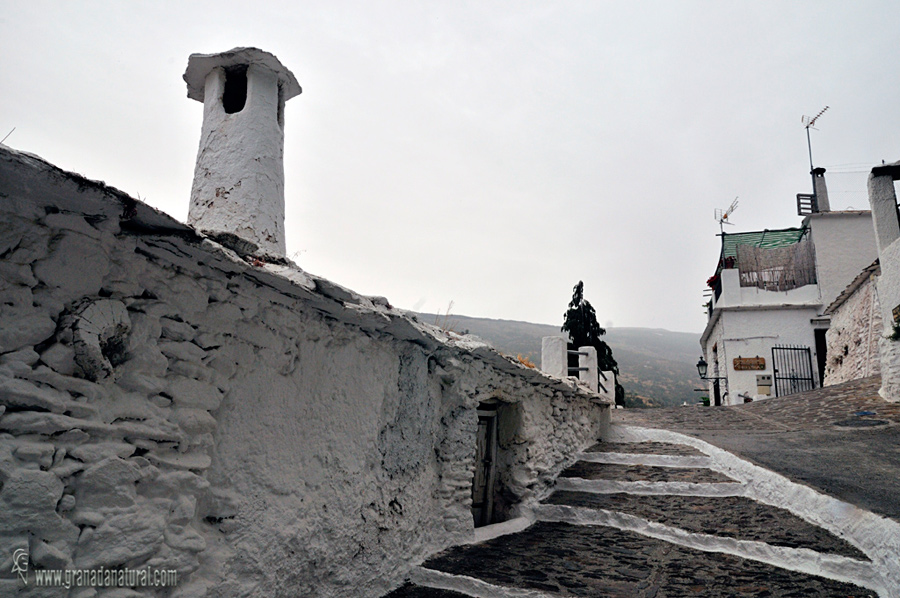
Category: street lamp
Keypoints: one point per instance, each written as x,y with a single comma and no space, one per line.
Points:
702,368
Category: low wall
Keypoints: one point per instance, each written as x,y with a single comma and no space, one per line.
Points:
166,403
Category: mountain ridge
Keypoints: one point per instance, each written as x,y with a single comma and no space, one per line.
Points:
656,366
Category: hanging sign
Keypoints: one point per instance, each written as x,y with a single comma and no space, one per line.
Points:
750,363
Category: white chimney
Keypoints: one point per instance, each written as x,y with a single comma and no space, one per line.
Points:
238,186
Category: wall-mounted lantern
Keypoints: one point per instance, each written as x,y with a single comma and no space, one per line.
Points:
703,368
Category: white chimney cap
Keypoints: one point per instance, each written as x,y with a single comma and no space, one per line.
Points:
200,65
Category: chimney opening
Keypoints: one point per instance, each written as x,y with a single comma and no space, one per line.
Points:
235,94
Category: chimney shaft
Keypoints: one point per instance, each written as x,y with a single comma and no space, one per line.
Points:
820,190
238,188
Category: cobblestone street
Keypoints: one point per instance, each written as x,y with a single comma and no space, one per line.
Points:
659,510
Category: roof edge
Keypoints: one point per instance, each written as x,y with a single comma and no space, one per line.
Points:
200,65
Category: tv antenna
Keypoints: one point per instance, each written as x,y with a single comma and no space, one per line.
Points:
721,216
809,123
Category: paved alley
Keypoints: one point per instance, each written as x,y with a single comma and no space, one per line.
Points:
788,497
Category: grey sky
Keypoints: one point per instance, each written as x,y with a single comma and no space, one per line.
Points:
488,153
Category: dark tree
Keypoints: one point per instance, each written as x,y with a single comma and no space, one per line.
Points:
584,331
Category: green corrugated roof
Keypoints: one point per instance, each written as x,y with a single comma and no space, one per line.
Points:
768,239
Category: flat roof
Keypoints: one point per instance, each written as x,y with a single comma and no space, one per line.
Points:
768,239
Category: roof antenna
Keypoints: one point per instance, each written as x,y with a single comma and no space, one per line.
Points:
722,216
13,129
809,124
809,204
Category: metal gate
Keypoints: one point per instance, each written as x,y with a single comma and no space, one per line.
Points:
793,370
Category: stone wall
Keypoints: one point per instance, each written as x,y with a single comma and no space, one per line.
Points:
165,403
853,337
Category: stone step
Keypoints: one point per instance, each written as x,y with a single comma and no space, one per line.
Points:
643,473
558,559
703,462
649,448
727,516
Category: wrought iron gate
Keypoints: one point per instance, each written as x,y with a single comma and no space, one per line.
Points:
793,370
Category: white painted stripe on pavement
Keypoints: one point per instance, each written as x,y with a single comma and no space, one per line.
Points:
802,560
647,459
496,530
469,586
677,488
878,537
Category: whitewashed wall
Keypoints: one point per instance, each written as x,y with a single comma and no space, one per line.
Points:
164,403
889,297
752,333
734,295
717,359
845,244
883,201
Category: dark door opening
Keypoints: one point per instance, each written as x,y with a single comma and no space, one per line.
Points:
821,353
717,390
485,465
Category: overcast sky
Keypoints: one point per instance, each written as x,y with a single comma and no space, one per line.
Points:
491,154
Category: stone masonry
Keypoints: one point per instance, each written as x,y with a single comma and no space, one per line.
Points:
853,337
167,403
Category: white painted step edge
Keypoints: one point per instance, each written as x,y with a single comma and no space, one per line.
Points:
469,585
675,488
802,560
878,537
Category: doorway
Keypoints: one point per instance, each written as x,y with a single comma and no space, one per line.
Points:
485,465
821,353
717,391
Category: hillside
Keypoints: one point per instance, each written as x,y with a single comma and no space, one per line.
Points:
657,367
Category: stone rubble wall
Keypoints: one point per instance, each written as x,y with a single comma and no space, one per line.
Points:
164,403
853,337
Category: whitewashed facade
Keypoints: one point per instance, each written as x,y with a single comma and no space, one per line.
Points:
769,295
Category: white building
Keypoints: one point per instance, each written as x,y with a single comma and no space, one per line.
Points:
766,331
